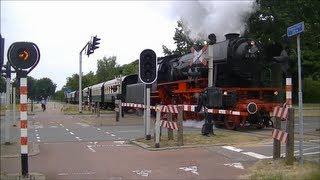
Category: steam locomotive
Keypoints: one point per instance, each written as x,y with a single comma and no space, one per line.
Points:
244,81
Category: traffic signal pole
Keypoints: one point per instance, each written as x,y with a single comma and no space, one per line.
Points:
80,78
91,46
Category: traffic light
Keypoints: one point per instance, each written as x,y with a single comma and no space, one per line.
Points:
7,70
148,66
89,50
95,43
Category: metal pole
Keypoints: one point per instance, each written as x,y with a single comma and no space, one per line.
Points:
210,66
120,105
157,127
7,121
290,143
300,101
148,137
80,78
145,110
80,83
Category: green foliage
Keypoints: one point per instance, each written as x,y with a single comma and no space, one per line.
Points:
132,68
183,40
87,80
270,22
73,82
59,95
107,69
310,89
45,88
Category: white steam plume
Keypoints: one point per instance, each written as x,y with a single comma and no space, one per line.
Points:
218,17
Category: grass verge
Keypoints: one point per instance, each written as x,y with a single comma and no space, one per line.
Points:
193,138
278,170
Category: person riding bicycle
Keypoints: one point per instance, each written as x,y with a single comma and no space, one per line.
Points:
43,104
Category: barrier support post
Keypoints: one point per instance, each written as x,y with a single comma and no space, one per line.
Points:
170,131
157,127
180,126
276,142
98,109
290,142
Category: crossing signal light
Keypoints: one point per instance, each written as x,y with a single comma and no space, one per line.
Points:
23,55
148,66
95,43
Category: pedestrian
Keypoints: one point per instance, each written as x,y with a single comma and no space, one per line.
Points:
43,104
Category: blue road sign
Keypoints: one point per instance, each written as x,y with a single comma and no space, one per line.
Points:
295,29
68,91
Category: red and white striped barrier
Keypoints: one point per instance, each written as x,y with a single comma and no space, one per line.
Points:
280,135
280,112
168,124
189,108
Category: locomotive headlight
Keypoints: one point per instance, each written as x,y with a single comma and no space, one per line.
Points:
225,93
276,93
252,108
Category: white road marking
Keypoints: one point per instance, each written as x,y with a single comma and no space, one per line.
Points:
83,124
38,140
38,137
107,133
192,169
71,133
310,153
79,173
144,172
67,129
256,155
90,148
37,134
232,148
119,142
98,129
236,165
53,126
112,135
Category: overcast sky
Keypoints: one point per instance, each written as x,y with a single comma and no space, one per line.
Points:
61,29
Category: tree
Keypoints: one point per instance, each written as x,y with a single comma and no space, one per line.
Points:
32,84
107,69
45,88
73,82
131,68
183,41
271,21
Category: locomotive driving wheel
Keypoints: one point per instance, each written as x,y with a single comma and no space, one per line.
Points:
231,122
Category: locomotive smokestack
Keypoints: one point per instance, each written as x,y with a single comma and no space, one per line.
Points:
231,36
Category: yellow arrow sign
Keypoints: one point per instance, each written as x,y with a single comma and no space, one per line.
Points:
24,55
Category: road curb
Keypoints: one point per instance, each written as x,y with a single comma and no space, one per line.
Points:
34,150
17,176
147,147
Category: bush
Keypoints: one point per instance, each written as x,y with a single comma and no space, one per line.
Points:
310,90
